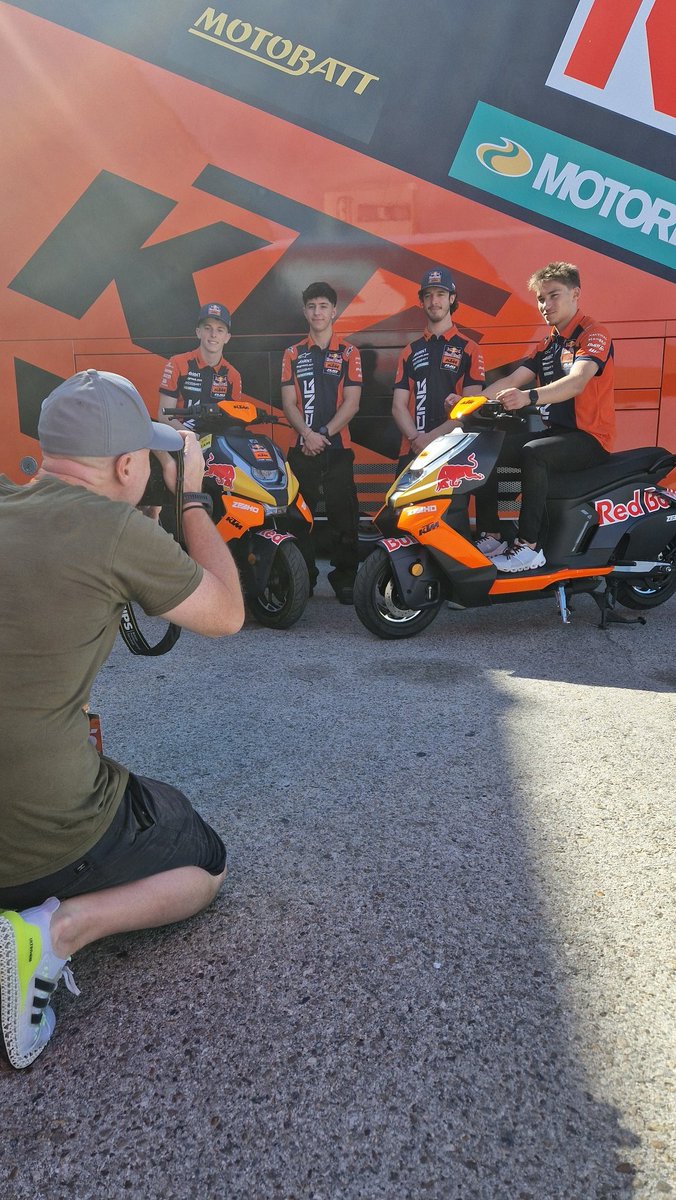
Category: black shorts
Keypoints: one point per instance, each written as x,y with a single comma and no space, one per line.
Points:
155,829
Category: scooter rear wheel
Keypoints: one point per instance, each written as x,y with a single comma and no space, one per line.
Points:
377,603
650,593
288,590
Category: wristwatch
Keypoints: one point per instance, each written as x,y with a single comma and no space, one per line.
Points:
201,498
533,396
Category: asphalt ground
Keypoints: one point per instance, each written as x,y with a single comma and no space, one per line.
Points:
439,967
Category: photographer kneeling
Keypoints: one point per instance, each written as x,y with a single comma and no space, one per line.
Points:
88,849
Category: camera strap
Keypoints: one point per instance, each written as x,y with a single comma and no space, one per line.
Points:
132,635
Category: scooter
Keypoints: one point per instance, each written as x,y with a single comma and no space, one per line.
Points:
611,533
257,503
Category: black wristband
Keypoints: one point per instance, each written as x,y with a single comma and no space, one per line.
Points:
533,396
201,498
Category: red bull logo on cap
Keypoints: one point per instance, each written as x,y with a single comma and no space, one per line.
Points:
453,474
223,473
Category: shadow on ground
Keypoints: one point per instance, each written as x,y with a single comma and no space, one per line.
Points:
376,1007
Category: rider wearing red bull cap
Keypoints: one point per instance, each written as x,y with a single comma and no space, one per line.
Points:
441,362
202,375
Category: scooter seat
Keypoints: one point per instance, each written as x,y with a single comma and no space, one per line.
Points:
571,485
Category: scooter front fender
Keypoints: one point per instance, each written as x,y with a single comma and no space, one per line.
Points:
421,589
255,553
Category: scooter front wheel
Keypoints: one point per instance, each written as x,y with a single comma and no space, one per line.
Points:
378,605
285,597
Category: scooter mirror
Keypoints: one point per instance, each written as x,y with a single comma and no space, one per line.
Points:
465,406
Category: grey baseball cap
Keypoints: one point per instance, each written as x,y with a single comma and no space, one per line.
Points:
96,414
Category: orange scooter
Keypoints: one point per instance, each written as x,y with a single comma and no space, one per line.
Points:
611,533
257,506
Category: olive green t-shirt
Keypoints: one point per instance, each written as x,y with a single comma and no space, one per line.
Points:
69,561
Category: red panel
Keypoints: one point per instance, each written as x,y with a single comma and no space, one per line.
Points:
660,31
636,428
602,37
666,430
638,362
628,398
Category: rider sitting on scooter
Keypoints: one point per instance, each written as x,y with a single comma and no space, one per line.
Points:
569,378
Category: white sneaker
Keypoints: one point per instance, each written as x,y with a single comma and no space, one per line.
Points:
29,974
519,557
489,546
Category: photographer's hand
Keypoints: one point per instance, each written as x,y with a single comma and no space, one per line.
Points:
193,464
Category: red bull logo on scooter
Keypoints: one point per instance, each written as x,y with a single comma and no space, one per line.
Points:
397,543
223,473
273,535
453,474
610,513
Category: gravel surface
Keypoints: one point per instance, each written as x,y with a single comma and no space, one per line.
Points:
439,967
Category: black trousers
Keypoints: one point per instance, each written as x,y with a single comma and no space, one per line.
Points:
536,456
332,471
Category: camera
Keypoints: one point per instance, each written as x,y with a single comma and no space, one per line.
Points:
157,493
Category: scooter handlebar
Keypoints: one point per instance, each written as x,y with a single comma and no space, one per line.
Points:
466,405
469,404
214,411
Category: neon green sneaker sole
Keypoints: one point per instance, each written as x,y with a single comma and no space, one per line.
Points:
29,975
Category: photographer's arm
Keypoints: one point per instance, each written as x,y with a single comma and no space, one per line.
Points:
216,607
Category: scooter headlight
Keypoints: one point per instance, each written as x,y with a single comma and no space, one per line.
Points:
270,476
408,478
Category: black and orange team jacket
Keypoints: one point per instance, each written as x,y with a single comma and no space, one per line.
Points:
433,367
188,380
593,411
319,378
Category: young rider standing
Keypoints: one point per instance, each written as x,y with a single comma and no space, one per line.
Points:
442,361
321,389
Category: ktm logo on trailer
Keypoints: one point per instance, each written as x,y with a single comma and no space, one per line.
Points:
610,46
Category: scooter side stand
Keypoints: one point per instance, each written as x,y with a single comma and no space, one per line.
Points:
606,603
565,608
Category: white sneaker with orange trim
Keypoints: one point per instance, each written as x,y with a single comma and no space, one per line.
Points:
519,557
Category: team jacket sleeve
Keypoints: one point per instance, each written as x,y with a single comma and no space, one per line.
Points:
402,378
169,383
287,368
594,345
475,373
236,383
353,375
